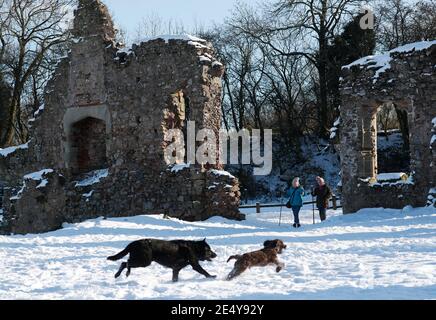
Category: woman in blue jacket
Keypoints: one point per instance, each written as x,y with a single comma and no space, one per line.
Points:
296,194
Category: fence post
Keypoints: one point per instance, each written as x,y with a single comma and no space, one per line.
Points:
335,202
257,207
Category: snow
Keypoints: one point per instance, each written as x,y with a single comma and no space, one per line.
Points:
391,176
88,195
93,178
77,40
395,141
324,159
205,59
37,113
19,193
390,179
168,37
198,45
217,64
7,151
191,40
334,129
382,61
40,109
416,46
222,173
434,122
37,176
375,254
180,167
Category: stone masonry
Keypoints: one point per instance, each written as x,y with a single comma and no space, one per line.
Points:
101,133
405,77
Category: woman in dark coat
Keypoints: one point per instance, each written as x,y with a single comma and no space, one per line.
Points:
323,193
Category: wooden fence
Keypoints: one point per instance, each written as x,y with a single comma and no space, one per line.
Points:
334,201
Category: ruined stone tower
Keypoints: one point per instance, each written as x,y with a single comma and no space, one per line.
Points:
97,146
406,77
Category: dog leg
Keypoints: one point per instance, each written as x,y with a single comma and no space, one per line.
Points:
128,270
176,275
196,266
279,265
131,264
122,267
237,271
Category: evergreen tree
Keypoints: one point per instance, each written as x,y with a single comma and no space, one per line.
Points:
354,43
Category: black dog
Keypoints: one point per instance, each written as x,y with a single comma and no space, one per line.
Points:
176,254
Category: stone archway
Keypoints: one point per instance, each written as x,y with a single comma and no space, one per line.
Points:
403,77
88,145
87,135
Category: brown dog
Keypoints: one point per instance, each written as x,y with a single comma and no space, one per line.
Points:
260,258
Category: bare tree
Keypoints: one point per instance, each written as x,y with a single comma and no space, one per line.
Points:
31,30
387,119
237,53
403,22
424,20
153,25
311,24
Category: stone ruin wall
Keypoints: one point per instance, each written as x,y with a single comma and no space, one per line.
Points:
410,83
132,97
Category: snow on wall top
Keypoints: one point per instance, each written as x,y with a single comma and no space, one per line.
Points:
180,167
168,37
382,62
93,178
7,151
37,176
191,40
222,173
391,176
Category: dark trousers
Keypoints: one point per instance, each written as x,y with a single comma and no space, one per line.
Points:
296,211
322,213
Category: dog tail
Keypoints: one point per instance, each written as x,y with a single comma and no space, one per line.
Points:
236,257
120,255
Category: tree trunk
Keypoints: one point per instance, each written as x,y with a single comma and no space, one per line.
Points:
404,127
322,70
5,104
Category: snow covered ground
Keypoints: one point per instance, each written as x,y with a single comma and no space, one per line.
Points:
375,254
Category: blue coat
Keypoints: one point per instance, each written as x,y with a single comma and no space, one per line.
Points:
297,198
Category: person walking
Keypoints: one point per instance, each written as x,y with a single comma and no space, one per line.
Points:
296,194
323,193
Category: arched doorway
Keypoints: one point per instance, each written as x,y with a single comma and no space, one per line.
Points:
88,145
87,133
393,147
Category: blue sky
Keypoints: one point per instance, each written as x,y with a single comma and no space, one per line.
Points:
128,13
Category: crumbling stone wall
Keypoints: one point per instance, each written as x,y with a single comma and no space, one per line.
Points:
109,108
35,206
431,199
406,77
